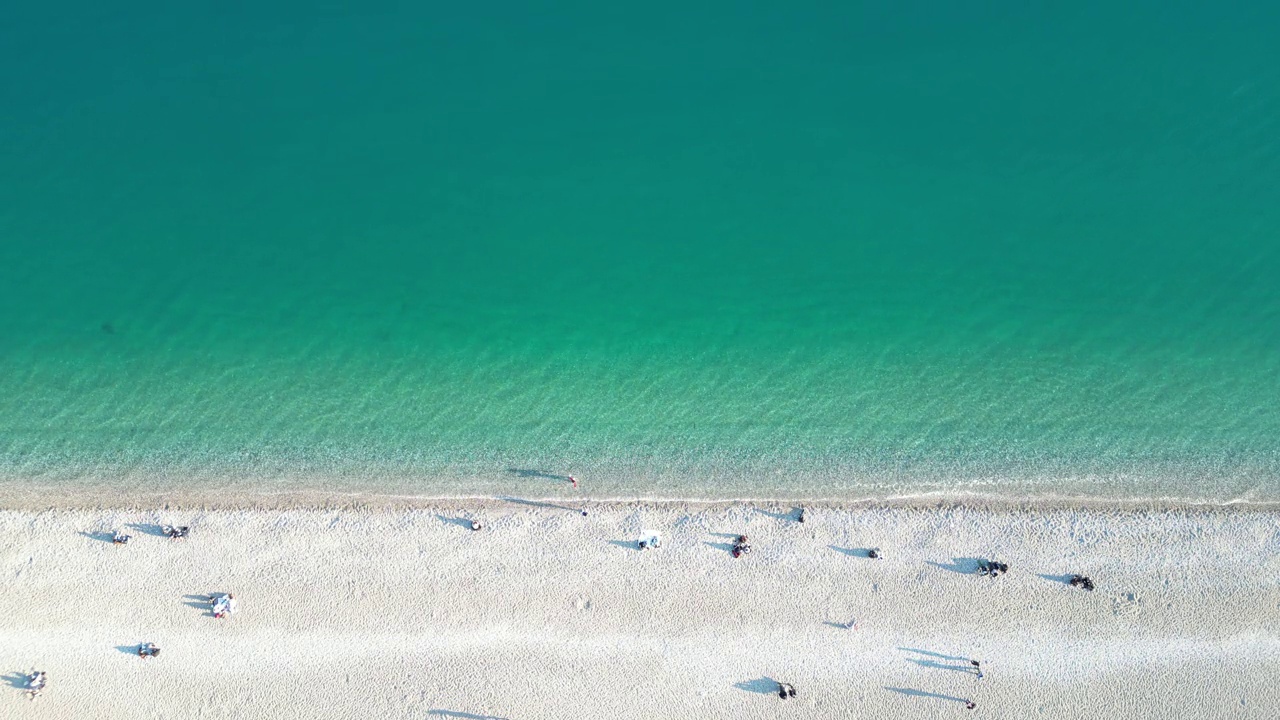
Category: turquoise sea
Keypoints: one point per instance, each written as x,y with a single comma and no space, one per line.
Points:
708,249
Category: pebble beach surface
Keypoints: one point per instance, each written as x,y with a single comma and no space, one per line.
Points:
544,613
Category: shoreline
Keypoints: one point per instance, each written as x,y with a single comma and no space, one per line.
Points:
32,497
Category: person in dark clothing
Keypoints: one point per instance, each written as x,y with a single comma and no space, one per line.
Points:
969,705
874,553
1081,581
175,533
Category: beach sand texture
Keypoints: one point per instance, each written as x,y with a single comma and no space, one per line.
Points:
548,614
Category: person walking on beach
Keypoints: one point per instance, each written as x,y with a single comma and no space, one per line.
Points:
574,480
969,705
977,667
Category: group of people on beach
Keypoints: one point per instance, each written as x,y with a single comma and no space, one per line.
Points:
225,604
1081,581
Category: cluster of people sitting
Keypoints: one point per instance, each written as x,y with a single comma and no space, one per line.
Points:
786,690
740,546
35,682
1081,581
991,568
652,542
175,533
148,650
223,605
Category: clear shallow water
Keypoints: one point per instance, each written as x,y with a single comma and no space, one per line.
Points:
737,251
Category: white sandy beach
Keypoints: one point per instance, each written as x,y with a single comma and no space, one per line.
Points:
546,614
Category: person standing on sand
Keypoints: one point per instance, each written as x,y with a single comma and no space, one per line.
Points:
969,705
574,480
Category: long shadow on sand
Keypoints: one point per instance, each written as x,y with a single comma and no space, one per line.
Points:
719,546
966,668
531,473
931,653
541,504
459,521
201,602
792,515
963,565
923,694
16,680
1064,579
626,544
104,535
762,685
463,715
148,529
852,552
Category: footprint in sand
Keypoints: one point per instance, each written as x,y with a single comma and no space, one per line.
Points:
1125,604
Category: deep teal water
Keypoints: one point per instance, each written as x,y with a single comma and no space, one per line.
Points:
738,249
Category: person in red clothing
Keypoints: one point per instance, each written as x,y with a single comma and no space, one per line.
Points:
574,480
